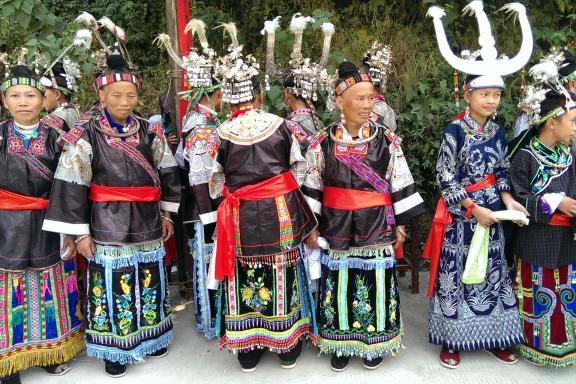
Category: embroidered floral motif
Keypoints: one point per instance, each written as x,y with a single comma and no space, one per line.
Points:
327,307
361,308
149,308
37,144
100,320
255,294
393,303
124,305
295,299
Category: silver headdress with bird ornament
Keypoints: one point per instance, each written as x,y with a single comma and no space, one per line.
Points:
309,77
236,70
199,67
379,57
65,67
546,77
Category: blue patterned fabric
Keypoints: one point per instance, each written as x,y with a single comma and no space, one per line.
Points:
479,316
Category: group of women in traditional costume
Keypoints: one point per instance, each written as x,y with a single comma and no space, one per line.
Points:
293,226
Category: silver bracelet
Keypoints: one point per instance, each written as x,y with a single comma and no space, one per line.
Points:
79,239
167,218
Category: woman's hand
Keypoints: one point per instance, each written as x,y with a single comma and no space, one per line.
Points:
167,226
513,205
568,206
86,247
484,216
400,236
68,250
311,240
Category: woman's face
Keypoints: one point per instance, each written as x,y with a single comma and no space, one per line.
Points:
52,99
565,127
120,99
483,102
357,102
24,103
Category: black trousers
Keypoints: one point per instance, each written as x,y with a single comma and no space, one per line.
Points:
251,358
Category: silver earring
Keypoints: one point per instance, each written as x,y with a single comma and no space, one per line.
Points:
467,108
342,119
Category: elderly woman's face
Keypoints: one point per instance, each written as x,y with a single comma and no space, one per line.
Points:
120,99
357,102
24,103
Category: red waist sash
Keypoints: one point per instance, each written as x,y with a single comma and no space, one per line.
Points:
442,218
10,201
102,194
225,249
353,199
561,220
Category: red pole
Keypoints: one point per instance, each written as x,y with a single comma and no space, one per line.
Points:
185,43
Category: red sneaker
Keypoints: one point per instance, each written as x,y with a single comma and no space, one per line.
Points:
449,358
505,356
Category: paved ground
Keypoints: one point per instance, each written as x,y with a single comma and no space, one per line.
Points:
192,360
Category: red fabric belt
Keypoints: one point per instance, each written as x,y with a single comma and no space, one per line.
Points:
561,220
225,249
353,199
442,218
10,201
103,194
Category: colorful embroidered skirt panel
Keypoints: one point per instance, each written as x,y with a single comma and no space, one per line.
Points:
205,300
547,301
40,318
359,303
128,312
268,304
479,316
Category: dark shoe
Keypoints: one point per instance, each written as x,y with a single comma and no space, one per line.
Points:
159,353
248,367
287,364
374,363
115,369
339,363
57,369
12,379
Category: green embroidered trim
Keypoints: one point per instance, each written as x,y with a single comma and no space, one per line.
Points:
553,113
342,299
360,349
543,358
55,299
380,300
21,81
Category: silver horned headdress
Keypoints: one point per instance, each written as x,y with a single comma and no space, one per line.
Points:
489,64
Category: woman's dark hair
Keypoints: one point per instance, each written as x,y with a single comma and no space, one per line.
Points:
290,83
553,100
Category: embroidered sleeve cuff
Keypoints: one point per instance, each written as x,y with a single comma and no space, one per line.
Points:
208,218
503,185
452,197
550,202
66,228
169,206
